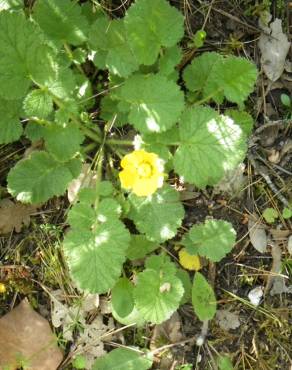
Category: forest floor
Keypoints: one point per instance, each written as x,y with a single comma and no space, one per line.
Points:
252,336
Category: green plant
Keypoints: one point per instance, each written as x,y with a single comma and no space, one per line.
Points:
42,81
270,215
287,104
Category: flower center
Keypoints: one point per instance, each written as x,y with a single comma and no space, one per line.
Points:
144,170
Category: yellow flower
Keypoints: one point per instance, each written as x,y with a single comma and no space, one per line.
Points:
142,172
188,261
2,288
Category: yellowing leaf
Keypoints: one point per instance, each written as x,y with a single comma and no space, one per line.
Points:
188,261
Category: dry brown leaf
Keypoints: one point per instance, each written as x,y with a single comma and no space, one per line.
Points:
27,335
274,156
87,178
14,215
279,235
227,320
289,244
274,47
169,330
257,234
233,181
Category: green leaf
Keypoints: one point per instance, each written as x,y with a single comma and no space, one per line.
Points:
11,4
210,146
158,215
110,37
203,298
38,103
270,215
74,166
157,295
79,362
161,263
107,209
123,359
199,38
105,188
140,246
285,100
63,142
68,110
10,126
242,119
63,86
213,239
169,60
122,297
155,103
236,77
62,21
81,216
24,56
95,258
134,318
186,281
34,131
216,76
198,76
224,363
110,112
287,213
38,178
151,24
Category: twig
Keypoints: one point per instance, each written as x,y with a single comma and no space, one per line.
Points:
261,171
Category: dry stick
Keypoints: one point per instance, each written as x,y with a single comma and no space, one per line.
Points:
226,14
276,266
261,171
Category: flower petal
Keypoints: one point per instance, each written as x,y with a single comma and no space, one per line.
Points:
128,177
145,187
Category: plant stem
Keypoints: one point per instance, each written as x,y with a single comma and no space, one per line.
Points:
98,179
207,98
120,142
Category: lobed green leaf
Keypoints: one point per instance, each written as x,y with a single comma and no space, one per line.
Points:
151,24
213,239
40,177
158,215
209,146
154,102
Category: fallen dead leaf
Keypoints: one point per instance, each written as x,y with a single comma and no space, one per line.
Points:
227,320
89,341
27,335
169,330
257,234
274,47
276,252
87,178
289,244
255,295
14,215
233,181
280,287
274,157
279,235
